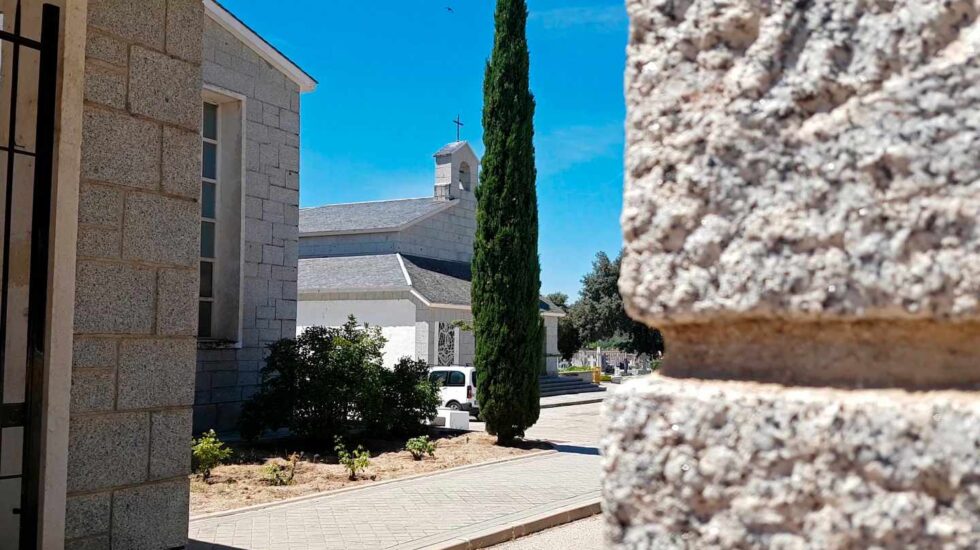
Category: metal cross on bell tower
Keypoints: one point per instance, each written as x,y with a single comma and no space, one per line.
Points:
459,125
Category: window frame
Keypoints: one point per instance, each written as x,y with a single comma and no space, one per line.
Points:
213,260
460,374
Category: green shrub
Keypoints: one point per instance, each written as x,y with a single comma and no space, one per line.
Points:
280,474
355,462
208,452
606,378
330,380
406,400
421,446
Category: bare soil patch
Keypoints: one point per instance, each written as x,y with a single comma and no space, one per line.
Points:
244,482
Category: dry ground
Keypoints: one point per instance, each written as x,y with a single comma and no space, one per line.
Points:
244,482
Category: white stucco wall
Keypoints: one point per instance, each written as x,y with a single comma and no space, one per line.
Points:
395,317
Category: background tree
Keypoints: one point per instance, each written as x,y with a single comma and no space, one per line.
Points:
506,273
601,318
569,341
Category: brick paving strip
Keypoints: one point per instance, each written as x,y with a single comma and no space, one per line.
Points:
468,507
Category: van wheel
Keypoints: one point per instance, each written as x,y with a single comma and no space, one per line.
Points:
453,405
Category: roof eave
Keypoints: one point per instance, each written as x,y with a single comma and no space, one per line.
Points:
259,45
389,229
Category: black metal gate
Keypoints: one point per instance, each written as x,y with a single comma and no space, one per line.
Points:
29,90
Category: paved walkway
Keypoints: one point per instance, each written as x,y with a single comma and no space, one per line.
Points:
415,513
584,534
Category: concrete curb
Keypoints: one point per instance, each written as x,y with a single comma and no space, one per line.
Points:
342,490
573,403
523,528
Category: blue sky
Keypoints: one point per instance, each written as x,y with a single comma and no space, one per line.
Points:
394,74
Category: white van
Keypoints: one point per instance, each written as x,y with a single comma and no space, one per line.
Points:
457,386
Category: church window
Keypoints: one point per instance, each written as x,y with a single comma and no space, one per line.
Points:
209,190
464,176
222,143
447,344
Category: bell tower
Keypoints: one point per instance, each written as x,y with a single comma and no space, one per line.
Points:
457,171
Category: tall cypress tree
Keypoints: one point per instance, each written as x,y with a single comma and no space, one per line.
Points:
506,273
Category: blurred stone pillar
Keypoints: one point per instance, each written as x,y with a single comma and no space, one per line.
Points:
802,219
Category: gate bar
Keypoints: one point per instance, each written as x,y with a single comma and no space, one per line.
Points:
37,308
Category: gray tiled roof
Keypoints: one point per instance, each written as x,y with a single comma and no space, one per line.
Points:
440,281
450,148
382,272
367,216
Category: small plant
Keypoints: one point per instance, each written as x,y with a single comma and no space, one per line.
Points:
279,474
355,462
421,446
209,452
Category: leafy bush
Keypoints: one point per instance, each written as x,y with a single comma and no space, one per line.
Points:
208,452
606,378
407,400
421,446
355,462
330,380
280,474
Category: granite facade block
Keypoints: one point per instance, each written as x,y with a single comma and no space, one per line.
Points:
120,149
106,85
105,451
162,230
181,171
102,47
170,453
156,373
88,515
114,298
94,353
99,242
185,29
164,88
100,205
93,390
137,21
143,518
177,302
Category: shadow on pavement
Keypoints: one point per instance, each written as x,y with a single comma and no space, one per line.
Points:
198,545
577,449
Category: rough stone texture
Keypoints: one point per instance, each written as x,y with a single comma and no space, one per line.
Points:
87,515
177,302
120,149
810,161
228,374
181,163
93,390
114,298
170,454
140,21
164,88
156,373
161,229
741,465
136,277
108,450
146,517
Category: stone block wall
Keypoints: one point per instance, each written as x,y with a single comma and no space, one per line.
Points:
137,277
693,464
228,375
809,163
447,235
801,200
